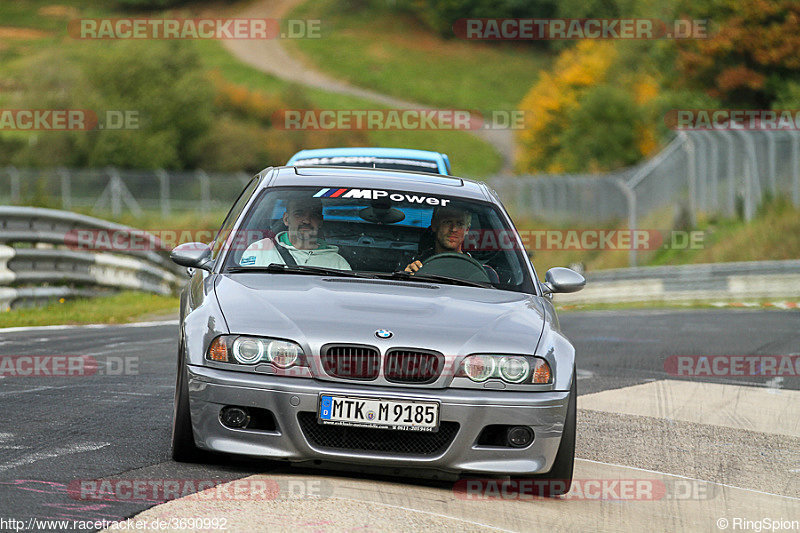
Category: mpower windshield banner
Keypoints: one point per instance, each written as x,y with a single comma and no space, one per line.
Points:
377,194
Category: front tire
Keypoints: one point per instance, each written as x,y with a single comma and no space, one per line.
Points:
559,478
184,449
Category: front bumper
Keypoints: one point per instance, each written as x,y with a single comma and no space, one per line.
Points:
211,389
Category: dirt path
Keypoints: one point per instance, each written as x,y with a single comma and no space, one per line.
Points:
270,57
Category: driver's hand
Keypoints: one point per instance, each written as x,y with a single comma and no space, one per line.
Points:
413,267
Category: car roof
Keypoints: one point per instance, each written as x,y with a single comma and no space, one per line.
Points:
371,178
369,150
442,160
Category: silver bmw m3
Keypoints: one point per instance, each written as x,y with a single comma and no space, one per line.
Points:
375,318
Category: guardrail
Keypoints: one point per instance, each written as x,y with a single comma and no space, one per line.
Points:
39,260
741,281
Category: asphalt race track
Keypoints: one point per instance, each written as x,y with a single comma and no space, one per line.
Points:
669,452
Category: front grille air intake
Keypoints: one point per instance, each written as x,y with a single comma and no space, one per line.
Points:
350,361
413,366
385,441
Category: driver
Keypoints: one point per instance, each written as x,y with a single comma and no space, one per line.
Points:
449,226
301,242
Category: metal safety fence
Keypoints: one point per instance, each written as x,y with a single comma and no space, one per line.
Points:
729,173
40,259
112,191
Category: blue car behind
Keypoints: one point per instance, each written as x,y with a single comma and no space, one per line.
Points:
366,157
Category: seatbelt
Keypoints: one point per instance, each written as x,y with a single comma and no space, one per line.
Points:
287,257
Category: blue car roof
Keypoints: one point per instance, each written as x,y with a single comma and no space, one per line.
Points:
442,161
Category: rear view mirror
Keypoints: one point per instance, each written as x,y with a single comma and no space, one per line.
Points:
192,255
560,279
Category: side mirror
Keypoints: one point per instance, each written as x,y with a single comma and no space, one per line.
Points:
192,255
560,279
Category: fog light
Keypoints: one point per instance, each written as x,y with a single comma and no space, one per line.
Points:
234,417
519,436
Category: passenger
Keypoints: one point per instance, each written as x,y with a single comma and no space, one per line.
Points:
301,243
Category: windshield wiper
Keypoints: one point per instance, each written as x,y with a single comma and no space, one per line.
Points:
402,274
299,269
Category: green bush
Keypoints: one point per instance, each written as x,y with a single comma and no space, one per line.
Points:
601,131
160,82
149,4
440,15
153,4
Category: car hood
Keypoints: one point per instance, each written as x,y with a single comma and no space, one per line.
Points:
315,310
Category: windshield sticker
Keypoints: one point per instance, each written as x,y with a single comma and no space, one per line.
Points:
376,194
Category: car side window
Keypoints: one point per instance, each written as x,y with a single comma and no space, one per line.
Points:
233,216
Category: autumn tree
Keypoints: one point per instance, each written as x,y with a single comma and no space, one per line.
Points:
752,51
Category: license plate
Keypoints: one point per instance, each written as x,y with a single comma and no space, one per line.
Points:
408,415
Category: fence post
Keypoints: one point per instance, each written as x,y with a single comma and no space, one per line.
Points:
795,138
205,189
692,176
115,192
66,189
163,179
16,196
701,183
731,176
630,198
712,179
751,176
771,160
518,185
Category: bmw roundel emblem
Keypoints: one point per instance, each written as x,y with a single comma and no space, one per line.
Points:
384,334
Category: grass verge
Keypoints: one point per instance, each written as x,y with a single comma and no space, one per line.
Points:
774,234
470,156
410,62
123,307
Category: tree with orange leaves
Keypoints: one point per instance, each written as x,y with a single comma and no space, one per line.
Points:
753,51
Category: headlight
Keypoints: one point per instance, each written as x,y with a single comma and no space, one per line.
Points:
514,369
283,354
248,351
252,350
509,368
479,367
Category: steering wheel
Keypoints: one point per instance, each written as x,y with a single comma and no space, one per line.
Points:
455,265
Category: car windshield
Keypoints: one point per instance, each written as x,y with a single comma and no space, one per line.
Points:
381,234
391,163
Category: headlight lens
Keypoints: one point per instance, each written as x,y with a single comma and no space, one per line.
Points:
248,351
251,350
479,367
283,354
514,369
509,368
